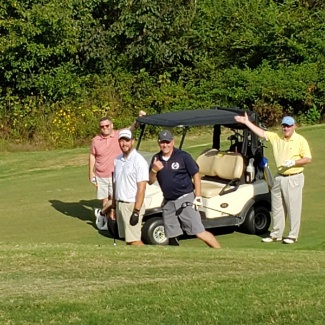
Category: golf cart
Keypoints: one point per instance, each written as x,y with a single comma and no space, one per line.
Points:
235,190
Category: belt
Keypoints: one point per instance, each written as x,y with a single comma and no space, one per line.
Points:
123,201
290,174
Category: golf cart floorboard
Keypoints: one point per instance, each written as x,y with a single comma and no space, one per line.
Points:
221,222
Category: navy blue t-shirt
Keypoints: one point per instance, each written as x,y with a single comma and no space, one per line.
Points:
175,179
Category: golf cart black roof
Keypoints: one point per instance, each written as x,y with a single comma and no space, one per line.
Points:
215,116
198,117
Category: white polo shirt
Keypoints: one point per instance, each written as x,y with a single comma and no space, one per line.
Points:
127,173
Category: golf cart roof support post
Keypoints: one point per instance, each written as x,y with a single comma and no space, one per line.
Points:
216,137
245,143
255,141
142,127
183,137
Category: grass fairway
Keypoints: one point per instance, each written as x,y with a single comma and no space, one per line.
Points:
56,268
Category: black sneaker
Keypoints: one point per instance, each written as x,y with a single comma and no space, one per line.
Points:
173,241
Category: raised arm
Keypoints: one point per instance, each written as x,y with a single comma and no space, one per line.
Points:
135,124
245,120
197,184
156,166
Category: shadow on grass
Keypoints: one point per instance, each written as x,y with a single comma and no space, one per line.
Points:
82,210
242,231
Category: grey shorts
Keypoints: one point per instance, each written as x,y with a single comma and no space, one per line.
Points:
188,219
104,187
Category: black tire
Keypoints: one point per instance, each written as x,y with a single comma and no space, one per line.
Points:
257,220
153,232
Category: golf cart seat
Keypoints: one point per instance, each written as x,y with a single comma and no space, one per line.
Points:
221,172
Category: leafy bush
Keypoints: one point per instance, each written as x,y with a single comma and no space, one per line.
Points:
312,116
66,64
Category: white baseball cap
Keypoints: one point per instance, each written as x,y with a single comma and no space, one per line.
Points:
125,133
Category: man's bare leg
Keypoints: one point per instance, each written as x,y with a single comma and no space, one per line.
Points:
136,243
209,239
106,206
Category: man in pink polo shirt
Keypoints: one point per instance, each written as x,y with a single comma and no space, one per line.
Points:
104,149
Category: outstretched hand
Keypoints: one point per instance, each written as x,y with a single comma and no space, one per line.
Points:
242,119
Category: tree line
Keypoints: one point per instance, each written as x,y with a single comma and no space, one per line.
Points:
66,63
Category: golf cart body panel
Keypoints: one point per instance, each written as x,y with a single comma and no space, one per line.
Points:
153,199
232,204
228,198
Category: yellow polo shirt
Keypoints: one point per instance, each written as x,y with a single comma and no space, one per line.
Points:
293,149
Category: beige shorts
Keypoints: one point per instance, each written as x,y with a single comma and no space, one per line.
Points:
104,187
123,214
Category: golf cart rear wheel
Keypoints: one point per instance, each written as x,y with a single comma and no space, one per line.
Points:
257,221
153,232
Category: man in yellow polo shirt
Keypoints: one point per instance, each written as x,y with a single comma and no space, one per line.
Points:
291,153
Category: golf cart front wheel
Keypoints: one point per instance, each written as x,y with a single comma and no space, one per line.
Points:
257,221
153,232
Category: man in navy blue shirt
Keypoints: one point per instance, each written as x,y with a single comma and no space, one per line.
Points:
176,171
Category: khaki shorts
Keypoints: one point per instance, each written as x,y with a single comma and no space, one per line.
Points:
104,187
123,214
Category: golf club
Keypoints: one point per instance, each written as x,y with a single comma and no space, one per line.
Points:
114,234
268,176
187,204
114,221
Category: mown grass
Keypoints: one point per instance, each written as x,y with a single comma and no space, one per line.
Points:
87,284
56,268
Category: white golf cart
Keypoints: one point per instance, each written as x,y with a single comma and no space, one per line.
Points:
235,191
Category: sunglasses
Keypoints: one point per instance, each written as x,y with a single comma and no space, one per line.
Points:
105,126
286,126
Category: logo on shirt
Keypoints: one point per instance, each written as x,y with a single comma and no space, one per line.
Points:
175,165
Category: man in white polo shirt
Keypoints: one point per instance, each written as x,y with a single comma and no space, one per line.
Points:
131,174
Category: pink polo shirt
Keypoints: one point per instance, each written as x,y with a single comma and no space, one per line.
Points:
105,151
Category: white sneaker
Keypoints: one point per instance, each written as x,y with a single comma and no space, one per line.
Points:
101,221
98,214
271,240
289,240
